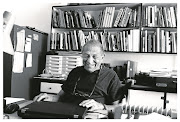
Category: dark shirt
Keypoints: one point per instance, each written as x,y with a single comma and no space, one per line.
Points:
107,85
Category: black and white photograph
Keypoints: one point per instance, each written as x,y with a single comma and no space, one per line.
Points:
90,59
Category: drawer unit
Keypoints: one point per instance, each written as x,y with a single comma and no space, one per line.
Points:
60,66
50,87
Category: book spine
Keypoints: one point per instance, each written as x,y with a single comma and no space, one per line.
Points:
105,17
145,41
172,13
61,41
108,16
139,16
121,41
127,18
118,17
162,41
158,39
168,43
136,40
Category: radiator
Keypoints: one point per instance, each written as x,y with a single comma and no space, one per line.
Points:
145,110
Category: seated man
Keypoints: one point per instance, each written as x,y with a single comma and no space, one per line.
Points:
90,85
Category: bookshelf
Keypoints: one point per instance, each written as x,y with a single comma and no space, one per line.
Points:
159,28
121,27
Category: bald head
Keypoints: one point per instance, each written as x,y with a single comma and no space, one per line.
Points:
93,43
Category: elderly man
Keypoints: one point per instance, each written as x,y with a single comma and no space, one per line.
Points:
90,85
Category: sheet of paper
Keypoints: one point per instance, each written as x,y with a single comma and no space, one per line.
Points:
35,37
30,36
18,63
12,100
29,60
20,41
28,44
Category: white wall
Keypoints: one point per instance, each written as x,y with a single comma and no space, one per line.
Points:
32,13
145,61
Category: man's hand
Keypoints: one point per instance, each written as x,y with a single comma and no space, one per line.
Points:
42,97
92,105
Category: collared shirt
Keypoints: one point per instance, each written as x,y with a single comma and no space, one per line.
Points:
108,86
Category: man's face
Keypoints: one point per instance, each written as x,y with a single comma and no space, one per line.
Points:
92,58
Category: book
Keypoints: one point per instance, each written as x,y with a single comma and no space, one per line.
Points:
155,16
118,17
111,17
103,40
173,17
162,42
81,38
127,18
174,42
118,42
121,41
158,40
69,41
127,40
67,19
66,41
131,69
76,19
121,24
168,42
124,40
145,41
138,16
105,14
109,42
135,40
76,40
165,14
54,17
107,19
150,16
61,45
61,19
134,18
81,18
71,16
57,41
154,42
149,43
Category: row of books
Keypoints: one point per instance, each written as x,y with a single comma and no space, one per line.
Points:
106,17
72,19
126,17
154,16
159,41
127,40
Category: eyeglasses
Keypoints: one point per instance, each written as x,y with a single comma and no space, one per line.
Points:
82,94
95,57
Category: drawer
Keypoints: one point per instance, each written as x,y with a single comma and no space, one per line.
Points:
50,87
